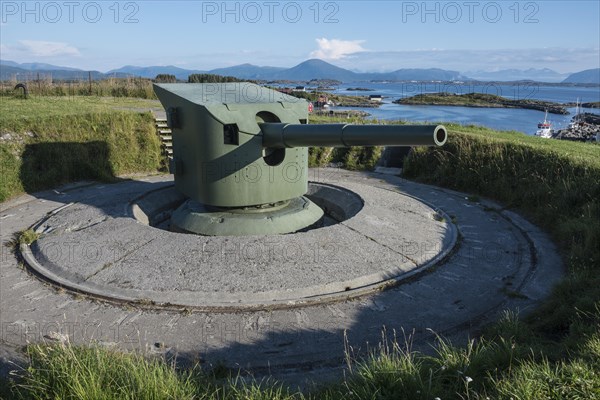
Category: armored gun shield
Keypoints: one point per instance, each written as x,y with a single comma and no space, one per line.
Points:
218,153
241,154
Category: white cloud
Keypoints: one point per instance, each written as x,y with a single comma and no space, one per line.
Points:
49,49
335,49
39,48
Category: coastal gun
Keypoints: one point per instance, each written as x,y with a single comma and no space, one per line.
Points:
240,154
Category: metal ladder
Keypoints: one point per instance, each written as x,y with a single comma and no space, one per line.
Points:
166,138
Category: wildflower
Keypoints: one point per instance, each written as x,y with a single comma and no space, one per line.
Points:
468,379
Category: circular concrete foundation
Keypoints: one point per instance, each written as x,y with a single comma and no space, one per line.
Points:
374,237
90,243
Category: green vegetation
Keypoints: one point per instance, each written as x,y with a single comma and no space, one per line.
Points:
28,236
481,100
138,88
556,185
17,113
47,141
63,371
505,366
212,78
352,158
165,78
114,87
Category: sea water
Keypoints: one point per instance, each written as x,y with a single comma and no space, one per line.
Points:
521,120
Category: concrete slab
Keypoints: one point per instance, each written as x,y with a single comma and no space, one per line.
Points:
391,238
501,262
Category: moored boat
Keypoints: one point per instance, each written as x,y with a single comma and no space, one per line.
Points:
544,128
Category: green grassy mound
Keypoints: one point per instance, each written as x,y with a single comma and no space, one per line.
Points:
46,142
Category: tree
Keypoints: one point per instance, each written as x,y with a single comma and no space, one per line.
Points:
211,78
165,78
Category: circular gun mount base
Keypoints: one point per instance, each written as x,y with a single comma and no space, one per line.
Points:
297,214
227,300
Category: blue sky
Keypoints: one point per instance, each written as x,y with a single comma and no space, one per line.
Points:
359,35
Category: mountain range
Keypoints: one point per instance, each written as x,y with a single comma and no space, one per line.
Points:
540,75
305,71
587,76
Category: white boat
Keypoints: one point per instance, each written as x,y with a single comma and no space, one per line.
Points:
545,128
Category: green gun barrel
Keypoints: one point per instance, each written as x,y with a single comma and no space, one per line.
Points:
283,135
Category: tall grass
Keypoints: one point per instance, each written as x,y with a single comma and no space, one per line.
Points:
111,87
49,142
557,186
69,372
65,371
501,367
352,158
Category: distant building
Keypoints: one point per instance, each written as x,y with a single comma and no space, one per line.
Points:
376,98
300,89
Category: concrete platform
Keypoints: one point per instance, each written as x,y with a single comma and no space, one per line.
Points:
499,262
391,238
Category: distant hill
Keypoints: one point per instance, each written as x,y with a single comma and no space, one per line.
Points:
305,71
36,66
151,72
248,71
316,69
7,72
587,76
511,75
21,74
430,74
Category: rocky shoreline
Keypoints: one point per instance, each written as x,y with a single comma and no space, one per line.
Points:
481,100
595,104
585,130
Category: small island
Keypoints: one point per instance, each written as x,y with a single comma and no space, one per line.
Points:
481,100
594,104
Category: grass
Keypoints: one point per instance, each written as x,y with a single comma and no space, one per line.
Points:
553,353
28,236
503,366
69,372
64,371
352,158
49,141
18,111
117,87
556,185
